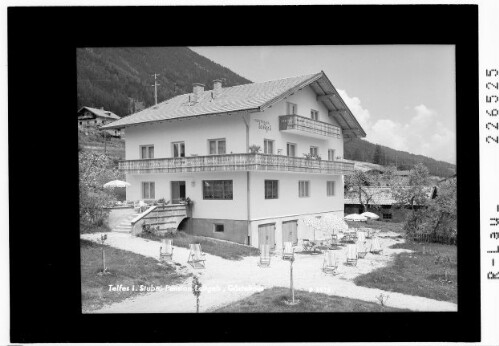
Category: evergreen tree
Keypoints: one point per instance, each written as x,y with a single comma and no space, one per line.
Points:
378,153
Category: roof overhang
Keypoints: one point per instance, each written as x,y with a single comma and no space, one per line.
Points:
238,112
327,94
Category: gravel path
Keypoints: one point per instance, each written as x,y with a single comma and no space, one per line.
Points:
225,281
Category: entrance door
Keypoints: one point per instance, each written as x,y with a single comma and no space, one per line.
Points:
178,191
290,231
266,235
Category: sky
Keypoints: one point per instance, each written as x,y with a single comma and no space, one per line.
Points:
402,95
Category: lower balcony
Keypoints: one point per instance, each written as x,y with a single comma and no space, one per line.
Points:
234,163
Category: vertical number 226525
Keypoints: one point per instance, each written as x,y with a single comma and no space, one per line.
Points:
492,97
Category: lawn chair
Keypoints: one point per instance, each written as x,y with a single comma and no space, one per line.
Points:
361,250
334,241
166,250
352,255
264,255
361,236
376,247
196,256
288,252
330,263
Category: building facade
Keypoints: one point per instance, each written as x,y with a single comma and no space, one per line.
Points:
204,146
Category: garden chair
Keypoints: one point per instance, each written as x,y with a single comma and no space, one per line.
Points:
166,250
330,264
376,247
352,255
361,250
196,256
288,252
333,243
306,245
361,236
264,255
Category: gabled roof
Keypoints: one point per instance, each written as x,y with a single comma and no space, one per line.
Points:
101,113
254,97
380,195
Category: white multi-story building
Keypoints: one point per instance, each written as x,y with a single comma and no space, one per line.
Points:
201,146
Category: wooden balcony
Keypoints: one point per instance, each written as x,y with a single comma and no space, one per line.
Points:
235,163
308,127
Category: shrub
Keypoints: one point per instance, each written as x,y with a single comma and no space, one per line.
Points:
95,170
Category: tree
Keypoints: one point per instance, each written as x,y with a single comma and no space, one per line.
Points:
95,171
441,215
378,153
388,175
415,193
359,181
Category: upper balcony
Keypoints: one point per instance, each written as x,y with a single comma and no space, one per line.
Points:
236,162
308,127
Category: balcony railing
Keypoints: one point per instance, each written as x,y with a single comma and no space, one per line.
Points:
235,162
301,125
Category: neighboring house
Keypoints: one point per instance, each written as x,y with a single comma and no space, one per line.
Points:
379,200
89,117
197,146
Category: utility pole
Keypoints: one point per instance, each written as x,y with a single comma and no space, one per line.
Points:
155,88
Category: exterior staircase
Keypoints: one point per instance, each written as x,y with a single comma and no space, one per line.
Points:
161,218
125,226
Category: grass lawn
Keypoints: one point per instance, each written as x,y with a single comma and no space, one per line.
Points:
126,268
417,273
273,300
227,250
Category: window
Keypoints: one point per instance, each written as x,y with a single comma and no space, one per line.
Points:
268,146
147,151
314,151
291,149
314,114
95,121
292,108
330,188
387,216
330,154
178,149
217,189
271,189
148,190
303,188
217,146
218,228
81,122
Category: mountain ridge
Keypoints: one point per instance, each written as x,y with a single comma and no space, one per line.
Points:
121,80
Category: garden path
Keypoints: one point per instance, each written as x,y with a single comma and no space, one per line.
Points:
225,281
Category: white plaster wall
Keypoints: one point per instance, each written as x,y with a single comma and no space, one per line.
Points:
306,101
194,132
234,209
303,231
289,203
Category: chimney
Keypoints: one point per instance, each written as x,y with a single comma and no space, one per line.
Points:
217,87
197,90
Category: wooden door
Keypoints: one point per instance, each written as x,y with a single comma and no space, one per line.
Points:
290,231
266,235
